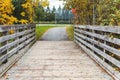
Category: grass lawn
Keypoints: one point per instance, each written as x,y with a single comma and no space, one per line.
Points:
40,30
70,32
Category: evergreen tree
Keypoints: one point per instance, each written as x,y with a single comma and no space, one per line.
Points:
39,13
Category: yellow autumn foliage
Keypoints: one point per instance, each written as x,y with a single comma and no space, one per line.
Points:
30,10
95,12
44,3
22,13
6,10
11,31
23,21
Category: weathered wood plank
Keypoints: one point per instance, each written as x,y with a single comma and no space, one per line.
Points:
7,37
99,36
4,48
80,32
64,61
14,50
110,29
13,59
104,65
26,42
104,46
106,56
15,27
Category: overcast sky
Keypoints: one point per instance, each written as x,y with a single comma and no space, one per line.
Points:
55,3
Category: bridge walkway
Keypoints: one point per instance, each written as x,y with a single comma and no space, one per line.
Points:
56,60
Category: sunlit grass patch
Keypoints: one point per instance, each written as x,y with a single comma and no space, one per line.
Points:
70,32
40,30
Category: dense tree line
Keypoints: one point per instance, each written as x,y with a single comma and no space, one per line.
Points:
95,12
63,15
47,14
44,14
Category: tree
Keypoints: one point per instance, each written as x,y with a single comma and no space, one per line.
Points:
53,13
98,12
6,11
25,9
39,13
20,12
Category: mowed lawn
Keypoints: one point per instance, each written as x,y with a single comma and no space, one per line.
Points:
41,29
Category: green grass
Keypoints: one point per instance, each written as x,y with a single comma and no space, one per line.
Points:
70,32
40,30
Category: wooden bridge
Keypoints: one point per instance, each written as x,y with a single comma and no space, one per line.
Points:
94,54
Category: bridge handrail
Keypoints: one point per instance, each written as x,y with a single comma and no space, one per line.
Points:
101,43
13,39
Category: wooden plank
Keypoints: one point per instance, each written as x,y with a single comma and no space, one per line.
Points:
10,53
103,37
12,60
7,37
108,57
104,46
15,27
25,43
105,66
76,65
4,48
110,29
14,50
11,27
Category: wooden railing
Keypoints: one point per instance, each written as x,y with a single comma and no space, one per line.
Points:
14,41
101,43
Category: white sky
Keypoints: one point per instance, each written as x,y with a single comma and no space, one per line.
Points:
55,3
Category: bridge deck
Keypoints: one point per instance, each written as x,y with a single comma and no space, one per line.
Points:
56,60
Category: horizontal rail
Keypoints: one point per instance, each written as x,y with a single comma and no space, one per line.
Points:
103,37
106,47
13,43
101,47
13,51
9,45
14,27
104,65
111,59
110,29
5,38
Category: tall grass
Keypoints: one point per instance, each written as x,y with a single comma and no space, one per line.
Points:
70,32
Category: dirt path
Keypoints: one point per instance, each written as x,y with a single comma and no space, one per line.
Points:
55,34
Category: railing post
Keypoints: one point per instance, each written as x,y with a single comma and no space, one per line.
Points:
103,48
17,38
74,33
3,44
35,32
